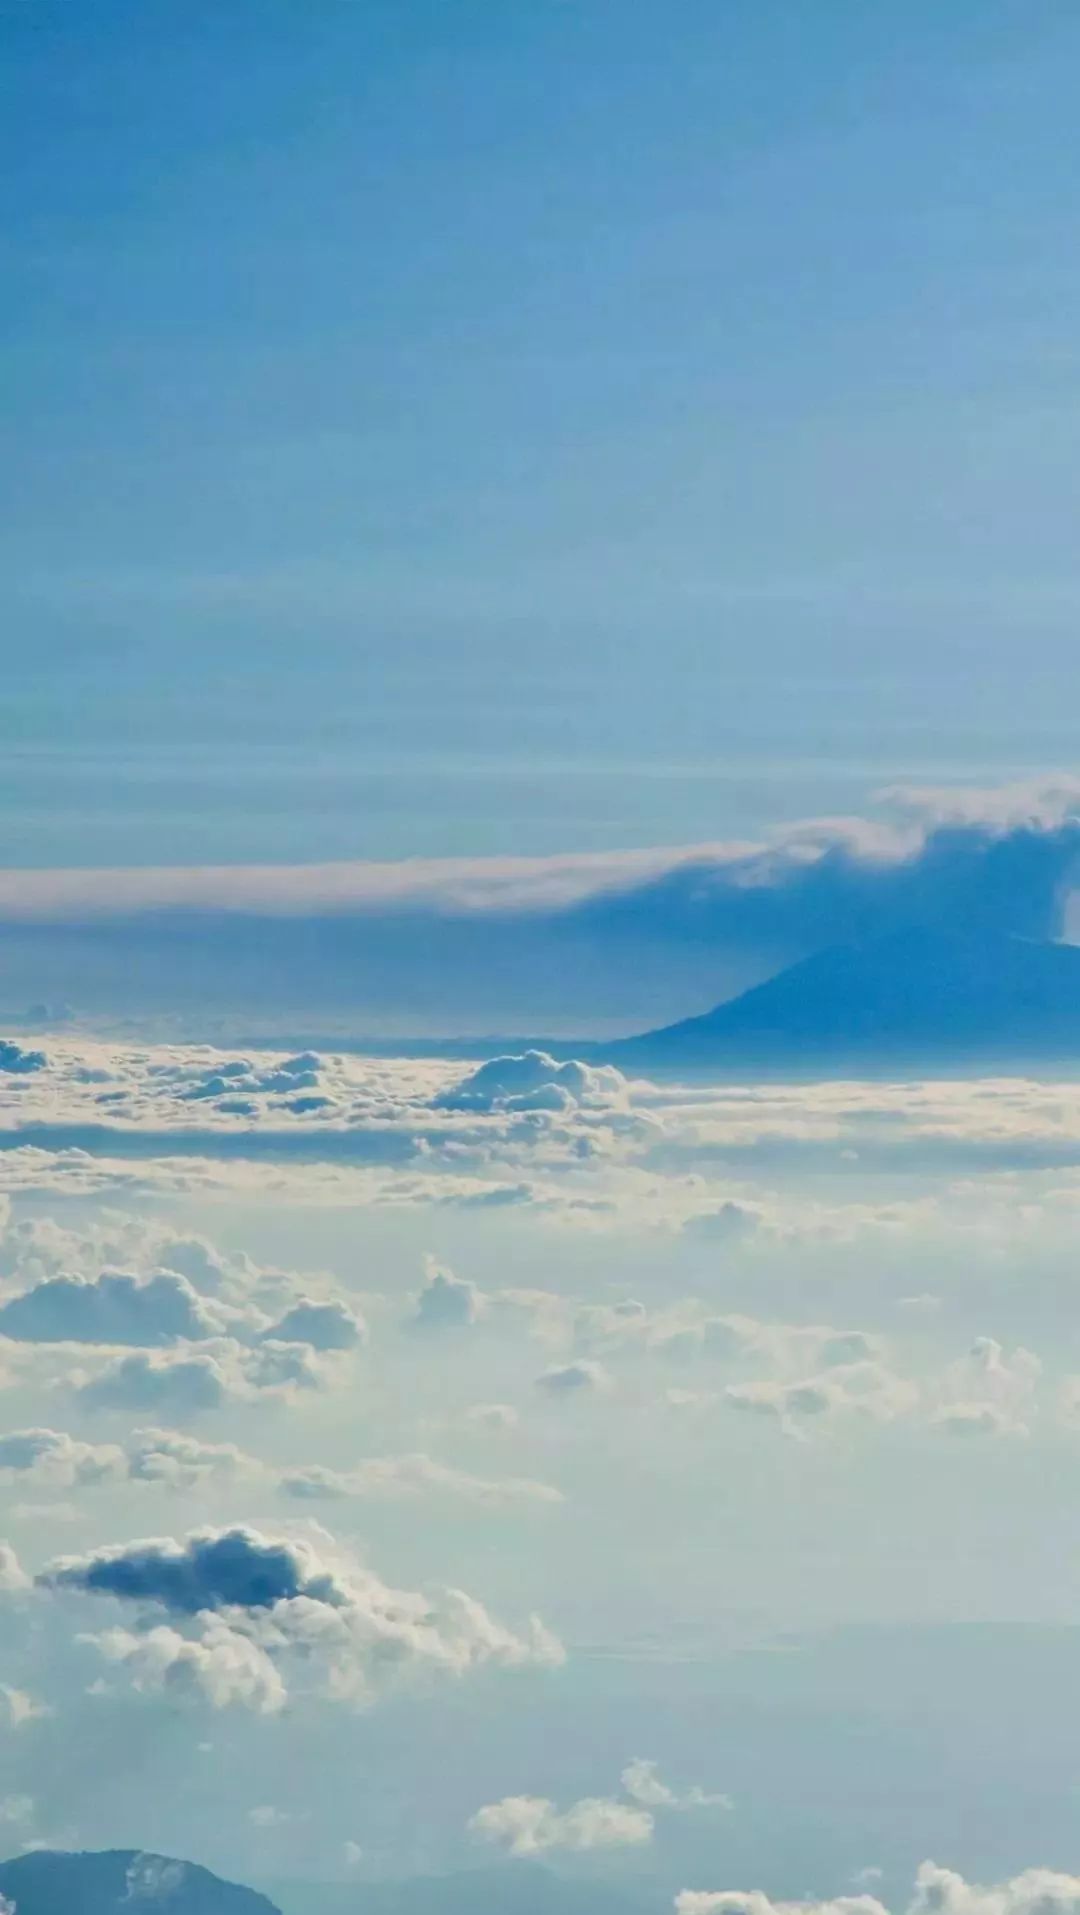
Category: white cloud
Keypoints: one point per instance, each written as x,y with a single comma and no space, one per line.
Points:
534,1081
393,1477
937,1891
12,1575
447,1302
642,1783
529,1824
112,1308
240,1616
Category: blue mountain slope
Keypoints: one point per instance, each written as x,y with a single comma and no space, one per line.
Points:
113,1882
918,996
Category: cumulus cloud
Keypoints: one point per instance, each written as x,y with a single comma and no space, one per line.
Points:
237,1616
184,1382
937,1891
529,1824
447,1302
112,1308
162,1384
56,1459
988,1392
12,1575
533,1081
641,1781
324,1325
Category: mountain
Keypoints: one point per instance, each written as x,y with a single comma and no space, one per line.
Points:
47,1882
918,998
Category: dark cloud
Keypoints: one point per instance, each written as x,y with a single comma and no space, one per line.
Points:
212,1569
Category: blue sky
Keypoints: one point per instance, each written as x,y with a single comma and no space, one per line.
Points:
466,428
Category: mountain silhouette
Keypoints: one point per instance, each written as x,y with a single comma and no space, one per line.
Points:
121,1882
916,997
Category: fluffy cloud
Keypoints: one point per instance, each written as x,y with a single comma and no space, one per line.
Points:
988,1392
178,1461
183,1383
162,1384
324,1325
54,1458
12,1575
529,1824
533,1081
237,1616
937,1891
112,1308
447,1302
642,1783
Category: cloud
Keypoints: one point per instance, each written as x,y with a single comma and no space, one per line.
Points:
530,1824
54,1458
12,1576
17,1707
324,1325
237,1616
447,1302
641,1782
394,1477
581,1378
533,1082
185,1382
211,1570
113,1308
865,1389
177,1461
988,1392
626,937
162,1384
937,1891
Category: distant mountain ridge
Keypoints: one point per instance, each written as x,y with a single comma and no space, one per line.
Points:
121,1882
919,997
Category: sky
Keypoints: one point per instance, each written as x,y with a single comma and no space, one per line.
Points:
467,429
521,521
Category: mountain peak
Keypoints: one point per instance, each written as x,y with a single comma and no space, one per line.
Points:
919,995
